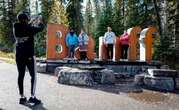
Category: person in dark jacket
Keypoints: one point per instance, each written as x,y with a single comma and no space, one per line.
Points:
24,35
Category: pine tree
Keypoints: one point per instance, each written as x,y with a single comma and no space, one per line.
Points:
89,24
118,20
74,14
22,6
7,19
58,13
132,13
105,20
40,44
108,17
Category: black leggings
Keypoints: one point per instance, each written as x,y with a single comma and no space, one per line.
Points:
110,51
71,51
22,63
124,51
83,55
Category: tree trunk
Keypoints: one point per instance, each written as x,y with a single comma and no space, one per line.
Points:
158,16
177,31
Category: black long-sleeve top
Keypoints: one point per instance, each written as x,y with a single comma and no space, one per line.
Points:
24,35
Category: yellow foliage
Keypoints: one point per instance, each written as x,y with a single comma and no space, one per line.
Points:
58,14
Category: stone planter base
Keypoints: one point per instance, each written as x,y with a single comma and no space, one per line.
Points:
162,72
177,83
74,76
107,76
84,77
139,79
41,67
159,83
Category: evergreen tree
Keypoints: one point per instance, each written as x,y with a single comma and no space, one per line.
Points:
5,40
74,14
89,24
108,15
163,50
53,12
7,19
97,13
118,20
132,13
40,38
105,20
58,13
22,6
46,9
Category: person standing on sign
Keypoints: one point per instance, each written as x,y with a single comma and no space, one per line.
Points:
109,41
24,34
83,43
124,39
71,42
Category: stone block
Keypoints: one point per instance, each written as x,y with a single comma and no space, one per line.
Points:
164,67
41,67
159,83
107,76
162,72
139,79
177,83
74,76
58,69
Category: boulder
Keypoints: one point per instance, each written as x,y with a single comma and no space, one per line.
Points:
74,76
177,83
164,67
41,67
90,67
139,79
162,72
120,75
58,69
107,76
159,83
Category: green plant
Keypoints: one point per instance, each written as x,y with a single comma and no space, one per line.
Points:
164,50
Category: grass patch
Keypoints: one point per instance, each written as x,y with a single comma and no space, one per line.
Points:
10,55
10,61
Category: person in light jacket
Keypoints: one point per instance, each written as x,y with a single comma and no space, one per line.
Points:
109,41
124,39
71,42
83,43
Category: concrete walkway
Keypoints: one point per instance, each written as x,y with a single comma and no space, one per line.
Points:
62,97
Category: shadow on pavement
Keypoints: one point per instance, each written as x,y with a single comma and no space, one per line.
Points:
116,89
125,88
158,90
36,107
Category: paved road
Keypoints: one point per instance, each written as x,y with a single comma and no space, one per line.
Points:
61,97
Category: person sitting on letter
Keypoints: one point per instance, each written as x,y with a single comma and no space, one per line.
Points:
83,43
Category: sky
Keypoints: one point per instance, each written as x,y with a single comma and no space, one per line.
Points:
33,7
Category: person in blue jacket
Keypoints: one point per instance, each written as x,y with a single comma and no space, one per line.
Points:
71,42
